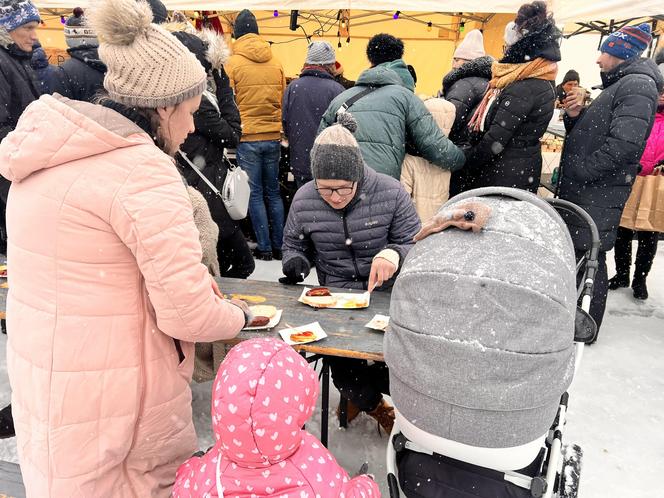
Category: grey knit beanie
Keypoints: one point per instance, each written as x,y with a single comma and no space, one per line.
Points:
336,154
147,66
320,53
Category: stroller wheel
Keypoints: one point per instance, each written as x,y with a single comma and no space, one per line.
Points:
571,473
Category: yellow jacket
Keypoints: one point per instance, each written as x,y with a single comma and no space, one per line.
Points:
429,185
259,82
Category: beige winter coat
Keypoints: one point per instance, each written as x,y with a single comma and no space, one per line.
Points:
429,185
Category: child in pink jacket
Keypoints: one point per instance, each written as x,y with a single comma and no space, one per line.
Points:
263,394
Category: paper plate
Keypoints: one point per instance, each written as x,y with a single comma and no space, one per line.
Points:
318,334
274,321
379,322
345,300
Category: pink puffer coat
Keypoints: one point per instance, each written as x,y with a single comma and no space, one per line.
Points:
107,295
263,394
654,151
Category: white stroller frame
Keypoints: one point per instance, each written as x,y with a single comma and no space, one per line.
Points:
559,463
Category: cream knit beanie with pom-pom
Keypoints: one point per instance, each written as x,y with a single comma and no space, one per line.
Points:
147,66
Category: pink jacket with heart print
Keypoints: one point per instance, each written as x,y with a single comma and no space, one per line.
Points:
263,395
107,295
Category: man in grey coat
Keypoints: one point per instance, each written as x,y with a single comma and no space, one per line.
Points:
357,227
604,143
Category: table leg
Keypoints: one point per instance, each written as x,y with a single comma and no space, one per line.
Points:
343,412
325,402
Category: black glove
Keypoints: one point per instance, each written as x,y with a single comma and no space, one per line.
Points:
296,270
221,79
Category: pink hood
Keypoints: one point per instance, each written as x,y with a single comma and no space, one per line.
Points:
77,136
654,151
263,395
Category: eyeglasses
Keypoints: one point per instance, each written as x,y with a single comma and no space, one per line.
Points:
341,191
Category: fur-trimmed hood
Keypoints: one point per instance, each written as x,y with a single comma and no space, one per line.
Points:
544,43
212,54
479,68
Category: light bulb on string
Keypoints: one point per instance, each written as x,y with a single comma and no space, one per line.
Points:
348,41
339,45
462,27
63,20
275,13
429,26
396,14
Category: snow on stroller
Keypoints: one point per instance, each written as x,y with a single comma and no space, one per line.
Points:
485,336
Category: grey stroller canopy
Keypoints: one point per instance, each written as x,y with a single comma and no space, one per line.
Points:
481,338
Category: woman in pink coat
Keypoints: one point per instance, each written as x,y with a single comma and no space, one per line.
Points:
263,394
645,254
107,290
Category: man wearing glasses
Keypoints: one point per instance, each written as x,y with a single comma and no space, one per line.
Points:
356,226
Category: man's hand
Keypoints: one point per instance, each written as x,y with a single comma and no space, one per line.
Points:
381,271
573,103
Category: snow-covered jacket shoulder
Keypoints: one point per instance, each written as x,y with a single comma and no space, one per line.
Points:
342,243
106,284
654,151
263,394
601,156
391,116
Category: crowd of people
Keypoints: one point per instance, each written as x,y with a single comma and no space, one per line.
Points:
107,223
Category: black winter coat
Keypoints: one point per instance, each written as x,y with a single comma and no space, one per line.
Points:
215,130
509,153
18,88
82,76
342,243
464,87
604,143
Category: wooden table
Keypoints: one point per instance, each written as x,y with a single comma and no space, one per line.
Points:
347,335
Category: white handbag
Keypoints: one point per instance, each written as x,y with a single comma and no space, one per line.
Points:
235,191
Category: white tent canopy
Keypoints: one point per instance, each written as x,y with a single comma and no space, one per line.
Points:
564,10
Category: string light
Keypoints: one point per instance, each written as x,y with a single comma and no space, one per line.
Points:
63,20
396,14
348,41
339,45
462,27
275,13
429,26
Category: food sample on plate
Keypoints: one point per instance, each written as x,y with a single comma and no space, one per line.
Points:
249,298
3,271
318,292
259,321
320,301
263,310
305,336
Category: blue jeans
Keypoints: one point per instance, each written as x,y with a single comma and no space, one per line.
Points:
261,162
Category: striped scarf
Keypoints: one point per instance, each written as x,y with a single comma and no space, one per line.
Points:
506,74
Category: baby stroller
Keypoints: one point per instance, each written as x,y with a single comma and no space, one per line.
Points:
485,337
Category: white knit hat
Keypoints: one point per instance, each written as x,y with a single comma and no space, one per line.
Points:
471,47
147,66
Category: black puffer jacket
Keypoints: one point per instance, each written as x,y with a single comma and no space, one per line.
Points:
342,243
81,77
18,88
464,87
215,130
603,146
509,153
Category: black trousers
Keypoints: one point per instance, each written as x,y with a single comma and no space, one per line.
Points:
235,258
645,254
601,288
361,383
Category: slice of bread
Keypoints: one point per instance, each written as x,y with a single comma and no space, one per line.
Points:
263,310
320,301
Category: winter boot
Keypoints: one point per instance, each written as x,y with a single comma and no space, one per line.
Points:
639,288
384,415
352,411
619,280
6,423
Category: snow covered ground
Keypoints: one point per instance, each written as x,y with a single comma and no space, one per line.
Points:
616,402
